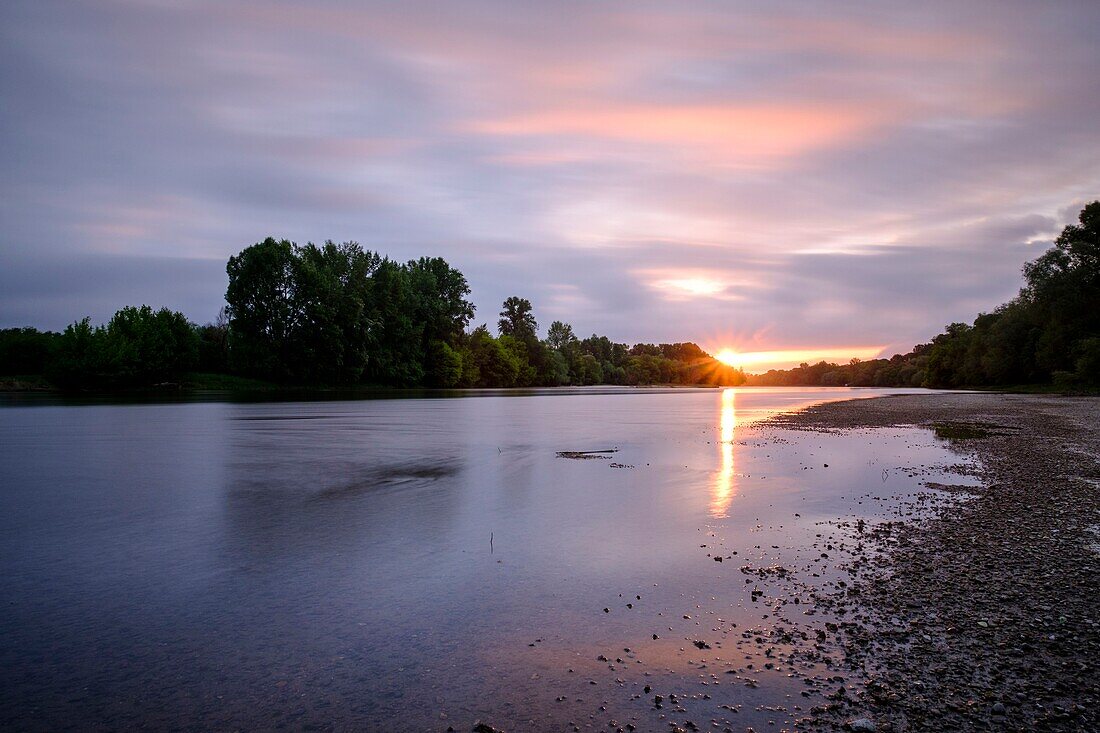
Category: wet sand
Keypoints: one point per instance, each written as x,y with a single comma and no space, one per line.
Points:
984,617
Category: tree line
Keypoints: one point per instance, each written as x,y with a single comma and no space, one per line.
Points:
339,315
1048,334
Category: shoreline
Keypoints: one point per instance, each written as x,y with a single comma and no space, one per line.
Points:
309,394
198,383
985,616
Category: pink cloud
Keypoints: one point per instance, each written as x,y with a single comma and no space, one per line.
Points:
734,131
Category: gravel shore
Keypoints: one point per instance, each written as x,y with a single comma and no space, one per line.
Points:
984,617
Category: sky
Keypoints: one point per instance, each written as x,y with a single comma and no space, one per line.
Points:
829,178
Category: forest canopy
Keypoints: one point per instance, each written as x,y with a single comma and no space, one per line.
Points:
340,315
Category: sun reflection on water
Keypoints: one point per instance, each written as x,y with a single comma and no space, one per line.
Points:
724,486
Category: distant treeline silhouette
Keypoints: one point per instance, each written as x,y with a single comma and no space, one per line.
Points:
339,315
1049,333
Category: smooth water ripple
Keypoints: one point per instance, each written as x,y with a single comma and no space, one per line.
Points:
402,564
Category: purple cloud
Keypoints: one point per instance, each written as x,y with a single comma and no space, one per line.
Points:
761,173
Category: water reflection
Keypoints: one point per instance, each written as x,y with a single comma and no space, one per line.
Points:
343,561
724,486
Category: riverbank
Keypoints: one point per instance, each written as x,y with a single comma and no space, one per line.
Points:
190,382
987,616
217,382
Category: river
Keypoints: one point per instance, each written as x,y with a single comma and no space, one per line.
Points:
418,563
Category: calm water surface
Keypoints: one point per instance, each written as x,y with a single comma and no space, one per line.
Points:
409,564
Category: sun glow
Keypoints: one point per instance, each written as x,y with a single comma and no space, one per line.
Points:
728,357
691,287
759,361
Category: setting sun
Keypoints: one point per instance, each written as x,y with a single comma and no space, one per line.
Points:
759,361
728,357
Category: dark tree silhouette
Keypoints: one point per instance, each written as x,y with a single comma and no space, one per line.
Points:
516,319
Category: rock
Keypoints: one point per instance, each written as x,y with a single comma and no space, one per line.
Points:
999,708
862,725
480,727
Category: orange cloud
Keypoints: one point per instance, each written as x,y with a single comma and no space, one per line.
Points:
744,131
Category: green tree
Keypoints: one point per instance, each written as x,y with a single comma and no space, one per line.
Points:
146,346
527,374
496,366
78,360
438,294
447,368
556,369
263,307
560,336
1063,292
587,370
26,351
138,347
441,299
398,355
301,313
517,319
